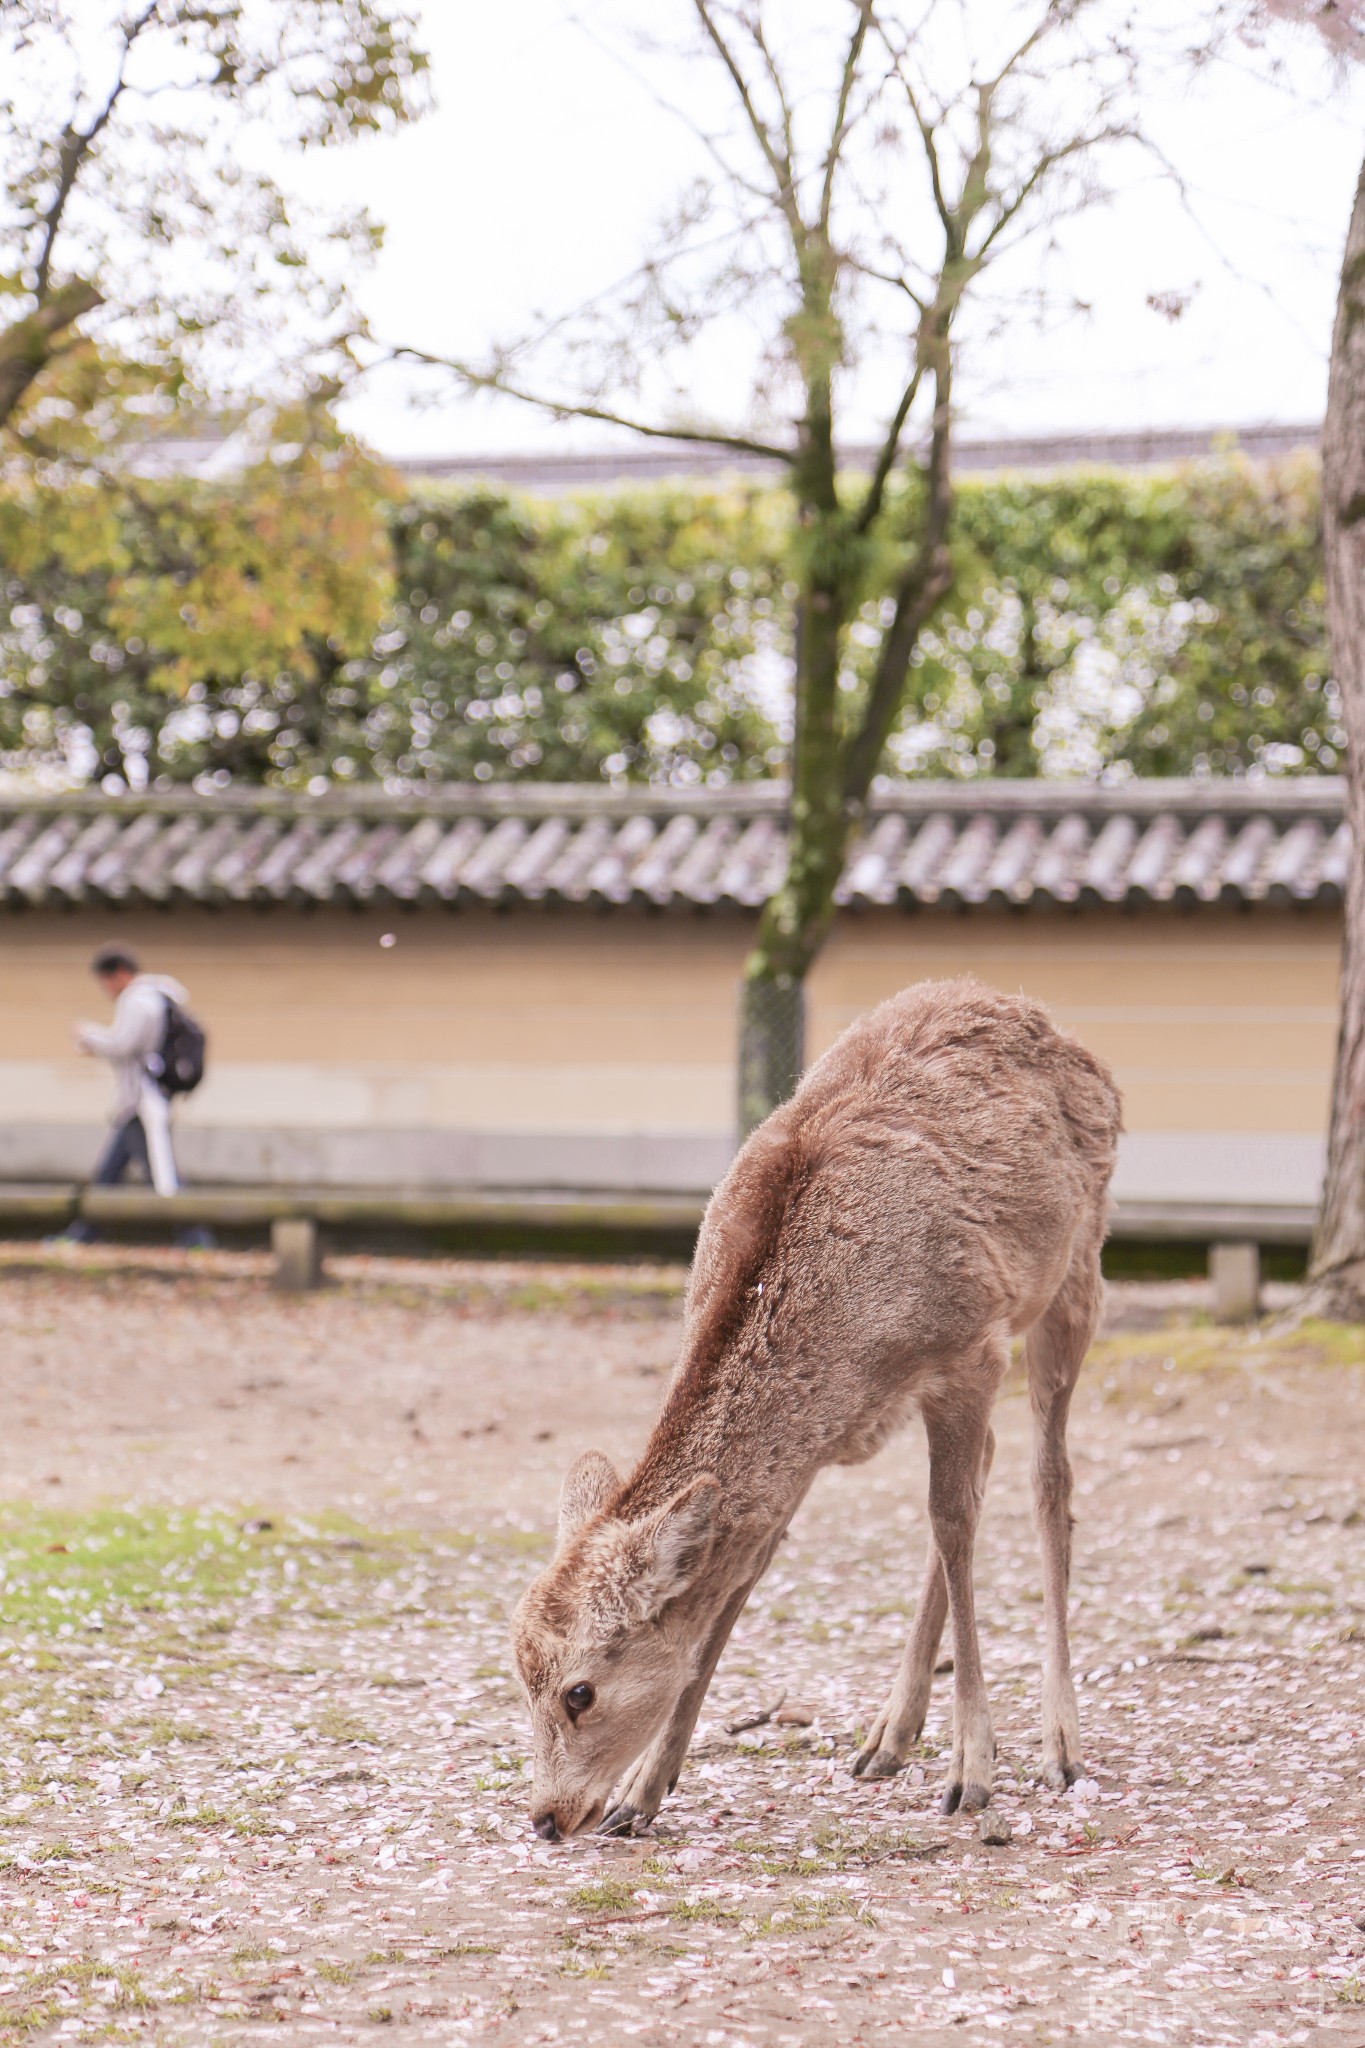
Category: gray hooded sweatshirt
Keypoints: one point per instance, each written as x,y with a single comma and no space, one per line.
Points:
133,1039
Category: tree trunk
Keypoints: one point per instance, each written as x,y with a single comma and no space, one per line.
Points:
797,917
831,775
772,1045
1336,1274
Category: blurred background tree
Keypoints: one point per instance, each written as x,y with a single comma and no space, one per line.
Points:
143,222
868,167
312,618
159,283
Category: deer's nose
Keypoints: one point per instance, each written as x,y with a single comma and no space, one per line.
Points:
545,1826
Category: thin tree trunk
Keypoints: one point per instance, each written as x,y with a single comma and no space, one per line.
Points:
831,775
1336,1274
797,917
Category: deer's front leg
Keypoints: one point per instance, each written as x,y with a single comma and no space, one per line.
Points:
960,1445
643,1790
900,1723
897,1728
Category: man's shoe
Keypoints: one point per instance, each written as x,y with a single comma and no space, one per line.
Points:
196,1239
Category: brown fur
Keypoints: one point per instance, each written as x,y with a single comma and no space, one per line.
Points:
936,1187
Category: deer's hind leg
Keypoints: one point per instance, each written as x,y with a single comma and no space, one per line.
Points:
1054,1350
898,1726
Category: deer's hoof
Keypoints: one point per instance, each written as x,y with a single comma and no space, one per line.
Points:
970,1798
1059,1777
877,1763
621,1820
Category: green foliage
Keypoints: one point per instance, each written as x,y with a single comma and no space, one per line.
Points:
234,633
129,135
1171,623
163,625
311,619
613,637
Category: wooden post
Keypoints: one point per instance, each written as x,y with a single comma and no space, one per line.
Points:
298,1264
1235,1270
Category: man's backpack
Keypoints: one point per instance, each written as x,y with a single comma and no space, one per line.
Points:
179,1066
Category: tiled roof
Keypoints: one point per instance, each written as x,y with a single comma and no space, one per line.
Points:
929,843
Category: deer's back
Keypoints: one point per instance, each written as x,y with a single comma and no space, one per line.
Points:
930,1181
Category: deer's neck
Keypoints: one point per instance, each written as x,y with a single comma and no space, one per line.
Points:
730,1420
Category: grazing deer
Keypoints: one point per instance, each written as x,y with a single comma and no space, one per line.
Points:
936,1187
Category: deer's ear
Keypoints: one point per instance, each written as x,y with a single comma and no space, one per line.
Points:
676,1542
588,1485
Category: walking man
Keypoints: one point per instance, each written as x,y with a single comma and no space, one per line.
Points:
140,1114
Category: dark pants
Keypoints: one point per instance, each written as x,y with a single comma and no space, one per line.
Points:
126,1146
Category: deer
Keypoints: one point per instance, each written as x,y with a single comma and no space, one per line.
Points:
935,1188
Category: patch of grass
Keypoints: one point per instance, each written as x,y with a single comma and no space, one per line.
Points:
801,1914
251,1825
604,1895
158,1734
335,1973
582,1959
113,1563
45,1996
686,1911
197,1817
335,1724
839,1845
1135,1355
117,1566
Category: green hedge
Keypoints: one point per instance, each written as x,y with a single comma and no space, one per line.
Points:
1172,623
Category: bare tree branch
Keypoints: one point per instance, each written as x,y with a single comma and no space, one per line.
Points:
782,170
76,145
841,122
710,143
889,277
568,409
927,137
775,79
1046,163
870,509
926,579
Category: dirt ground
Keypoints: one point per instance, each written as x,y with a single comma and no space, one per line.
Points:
262,1757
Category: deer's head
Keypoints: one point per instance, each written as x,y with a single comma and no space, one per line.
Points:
602,1643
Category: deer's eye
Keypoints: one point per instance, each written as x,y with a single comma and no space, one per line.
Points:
578,1699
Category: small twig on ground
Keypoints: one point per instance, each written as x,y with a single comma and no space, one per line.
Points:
758,1720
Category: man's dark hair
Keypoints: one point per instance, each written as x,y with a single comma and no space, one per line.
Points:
114,960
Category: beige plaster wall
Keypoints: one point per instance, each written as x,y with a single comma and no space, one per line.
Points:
1218,1023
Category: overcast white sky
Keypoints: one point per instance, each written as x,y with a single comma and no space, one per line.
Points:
540,174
